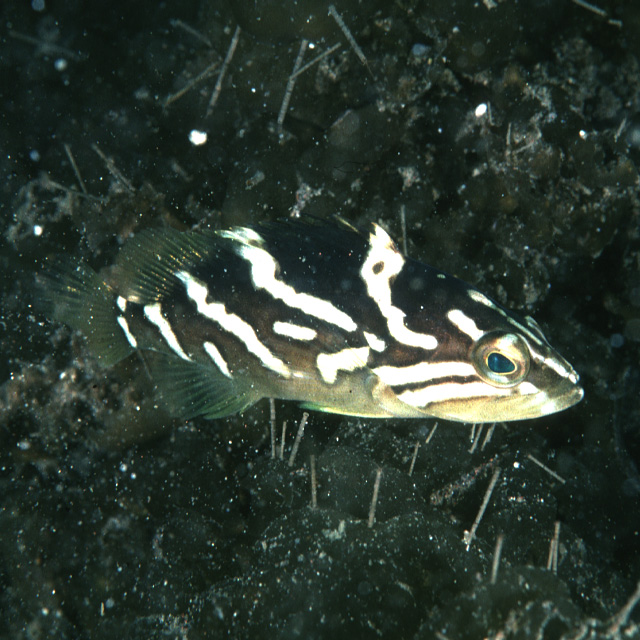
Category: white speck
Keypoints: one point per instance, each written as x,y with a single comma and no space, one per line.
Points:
38,5
516,465
34,154
419,50
311,45
255,179
583,134
633,136
60,64
481,110
37,230
142,94
616,340
197,138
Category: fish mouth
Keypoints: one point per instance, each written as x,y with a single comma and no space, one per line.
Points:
569,398
510,408
544,404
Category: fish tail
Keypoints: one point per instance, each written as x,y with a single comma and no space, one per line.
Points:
74,294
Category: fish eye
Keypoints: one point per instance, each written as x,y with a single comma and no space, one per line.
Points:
501,359
499,363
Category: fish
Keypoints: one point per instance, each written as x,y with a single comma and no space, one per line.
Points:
317,311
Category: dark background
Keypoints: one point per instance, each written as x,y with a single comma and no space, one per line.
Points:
118,521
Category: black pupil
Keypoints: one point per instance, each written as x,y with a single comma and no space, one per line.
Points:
500,364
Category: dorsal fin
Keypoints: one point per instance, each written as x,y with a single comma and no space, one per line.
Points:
331,233
146,266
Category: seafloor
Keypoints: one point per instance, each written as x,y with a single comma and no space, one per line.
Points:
117,521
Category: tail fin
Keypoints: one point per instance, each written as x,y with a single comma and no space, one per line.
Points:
74,294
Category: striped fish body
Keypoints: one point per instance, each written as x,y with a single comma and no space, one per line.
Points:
318,312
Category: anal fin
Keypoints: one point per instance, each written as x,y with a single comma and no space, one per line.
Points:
190,389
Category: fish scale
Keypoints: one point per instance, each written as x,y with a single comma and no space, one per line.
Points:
315,311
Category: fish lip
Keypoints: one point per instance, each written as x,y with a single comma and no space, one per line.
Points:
568,397
564,398
578,394
560,401
533,407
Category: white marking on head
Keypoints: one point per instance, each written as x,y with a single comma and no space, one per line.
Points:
529,330
346,360
535,327
451,391
216,356
232,323
377,344
127,334
556,366
423,372
526,330
548,406
465,324
122,303
382,264
294,331
263,276
476,296
527,389
153,313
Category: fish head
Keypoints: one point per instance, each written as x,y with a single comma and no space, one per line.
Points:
521,378
491,366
